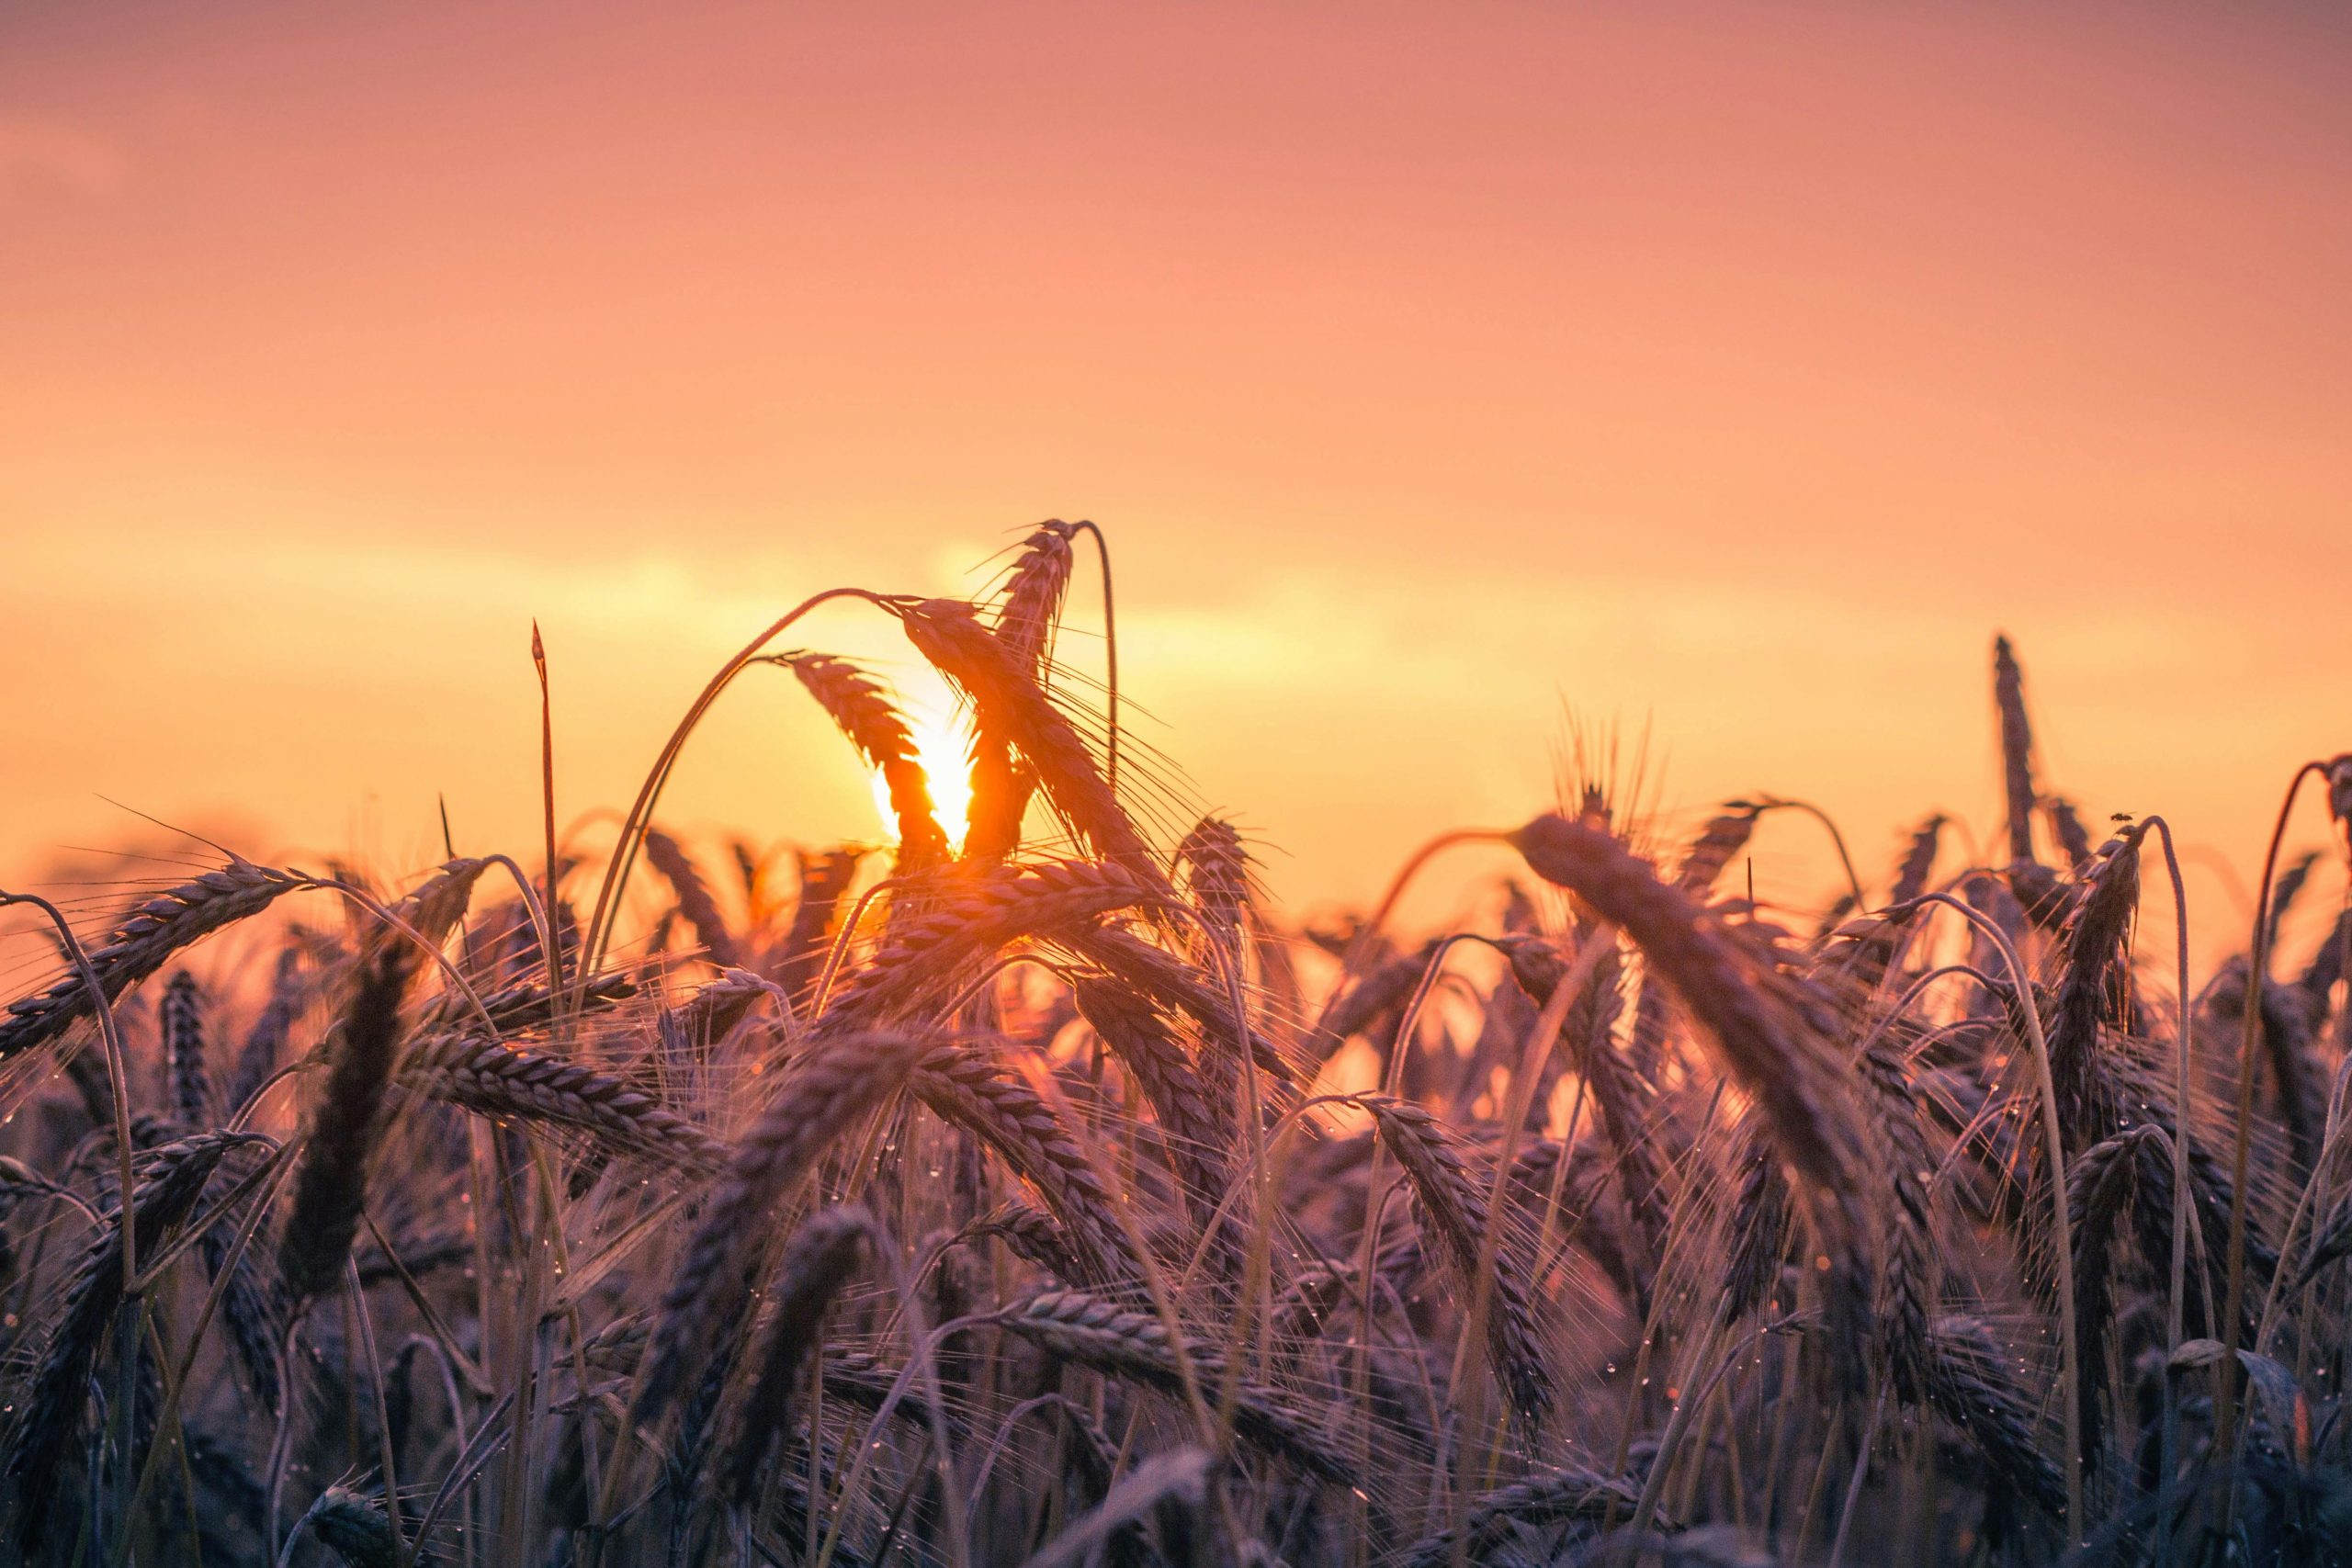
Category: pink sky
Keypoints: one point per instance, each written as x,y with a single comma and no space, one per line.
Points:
1733,369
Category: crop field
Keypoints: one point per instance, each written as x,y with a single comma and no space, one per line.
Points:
1025,1186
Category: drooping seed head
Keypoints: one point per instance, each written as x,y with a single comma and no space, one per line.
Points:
864,713
143,944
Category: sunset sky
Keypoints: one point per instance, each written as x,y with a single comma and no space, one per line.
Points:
1438,373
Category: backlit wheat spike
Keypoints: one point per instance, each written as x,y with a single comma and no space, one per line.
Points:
1176,987
2089,992
1618,1092
523,1005
965,917
1725,834
1216,874
2210,1187
353,1526
1859,954
2329,1243
1031,604
434,907
859,1378
1027,616
1718,843
949,634
2284,893
266,1040
250,1312
619,1345
1758,1226
965,1089
857,704
1374,997
2066,827
1033,1237
1919,861
825,879
1155,1062
2101,1188
1554,1498
1907,1294
712,1013
1970,1386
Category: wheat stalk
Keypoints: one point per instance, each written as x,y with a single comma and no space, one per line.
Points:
266,1041
1027,611
2017,749
2088,992
1772,1046
1558,1497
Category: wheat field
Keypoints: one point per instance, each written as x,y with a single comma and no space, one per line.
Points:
1027,1189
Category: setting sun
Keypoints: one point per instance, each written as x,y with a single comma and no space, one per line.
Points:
943,737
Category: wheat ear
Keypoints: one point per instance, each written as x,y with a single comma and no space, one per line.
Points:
143,944
836,1081
330,1177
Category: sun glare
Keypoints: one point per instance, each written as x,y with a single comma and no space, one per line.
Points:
943,744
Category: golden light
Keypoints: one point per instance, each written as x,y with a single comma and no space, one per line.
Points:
943,737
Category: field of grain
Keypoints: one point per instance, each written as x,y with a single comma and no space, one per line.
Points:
1027,1189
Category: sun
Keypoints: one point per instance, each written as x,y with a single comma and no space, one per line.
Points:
943,739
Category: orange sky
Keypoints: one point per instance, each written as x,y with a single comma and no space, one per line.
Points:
1734,369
